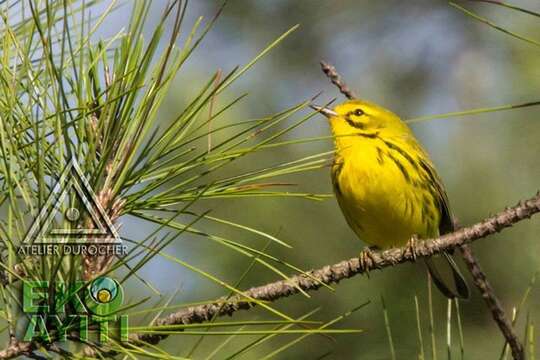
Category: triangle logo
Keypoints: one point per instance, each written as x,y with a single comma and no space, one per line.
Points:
72,185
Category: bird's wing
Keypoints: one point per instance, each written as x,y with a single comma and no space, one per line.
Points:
455,284
446,223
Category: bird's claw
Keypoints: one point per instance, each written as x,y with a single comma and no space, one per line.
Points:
411,246
366,259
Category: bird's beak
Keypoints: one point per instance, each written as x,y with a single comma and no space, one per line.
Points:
325,111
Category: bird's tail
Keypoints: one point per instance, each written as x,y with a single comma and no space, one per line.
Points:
451,285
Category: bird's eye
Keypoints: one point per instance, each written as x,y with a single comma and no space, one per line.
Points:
358,112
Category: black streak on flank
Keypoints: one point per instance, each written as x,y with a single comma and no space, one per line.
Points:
401,168
380,156
403,153
427,214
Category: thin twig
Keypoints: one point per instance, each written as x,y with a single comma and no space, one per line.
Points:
346,269
331,72
492,302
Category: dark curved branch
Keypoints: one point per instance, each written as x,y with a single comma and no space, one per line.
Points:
331,274
492,302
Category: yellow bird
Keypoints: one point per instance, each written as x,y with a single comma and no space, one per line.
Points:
387,186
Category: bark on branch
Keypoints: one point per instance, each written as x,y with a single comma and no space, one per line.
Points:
492,302
17,348
331,274
332,74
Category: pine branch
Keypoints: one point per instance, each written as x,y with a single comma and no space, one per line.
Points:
331,274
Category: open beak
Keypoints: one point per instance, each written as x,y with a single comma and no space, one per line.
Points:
326,112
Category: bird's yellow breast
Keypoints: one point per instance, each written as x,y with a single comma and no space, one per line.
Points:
382,193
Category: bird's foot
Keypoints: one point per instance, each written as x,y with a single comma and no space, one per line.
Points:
411,245
366,258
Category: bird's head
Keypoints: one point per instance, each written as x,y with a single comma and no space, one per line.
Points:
362,118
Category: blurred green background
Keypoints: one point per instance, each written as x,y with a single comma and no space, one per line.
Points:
416,58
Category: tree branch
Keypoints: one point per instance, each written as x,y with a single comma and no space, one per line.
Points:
336,79
329,274
346,269
494,305
16,348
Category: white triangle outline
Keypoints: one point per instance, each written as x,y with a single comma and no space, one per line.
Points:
39,226
72,183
